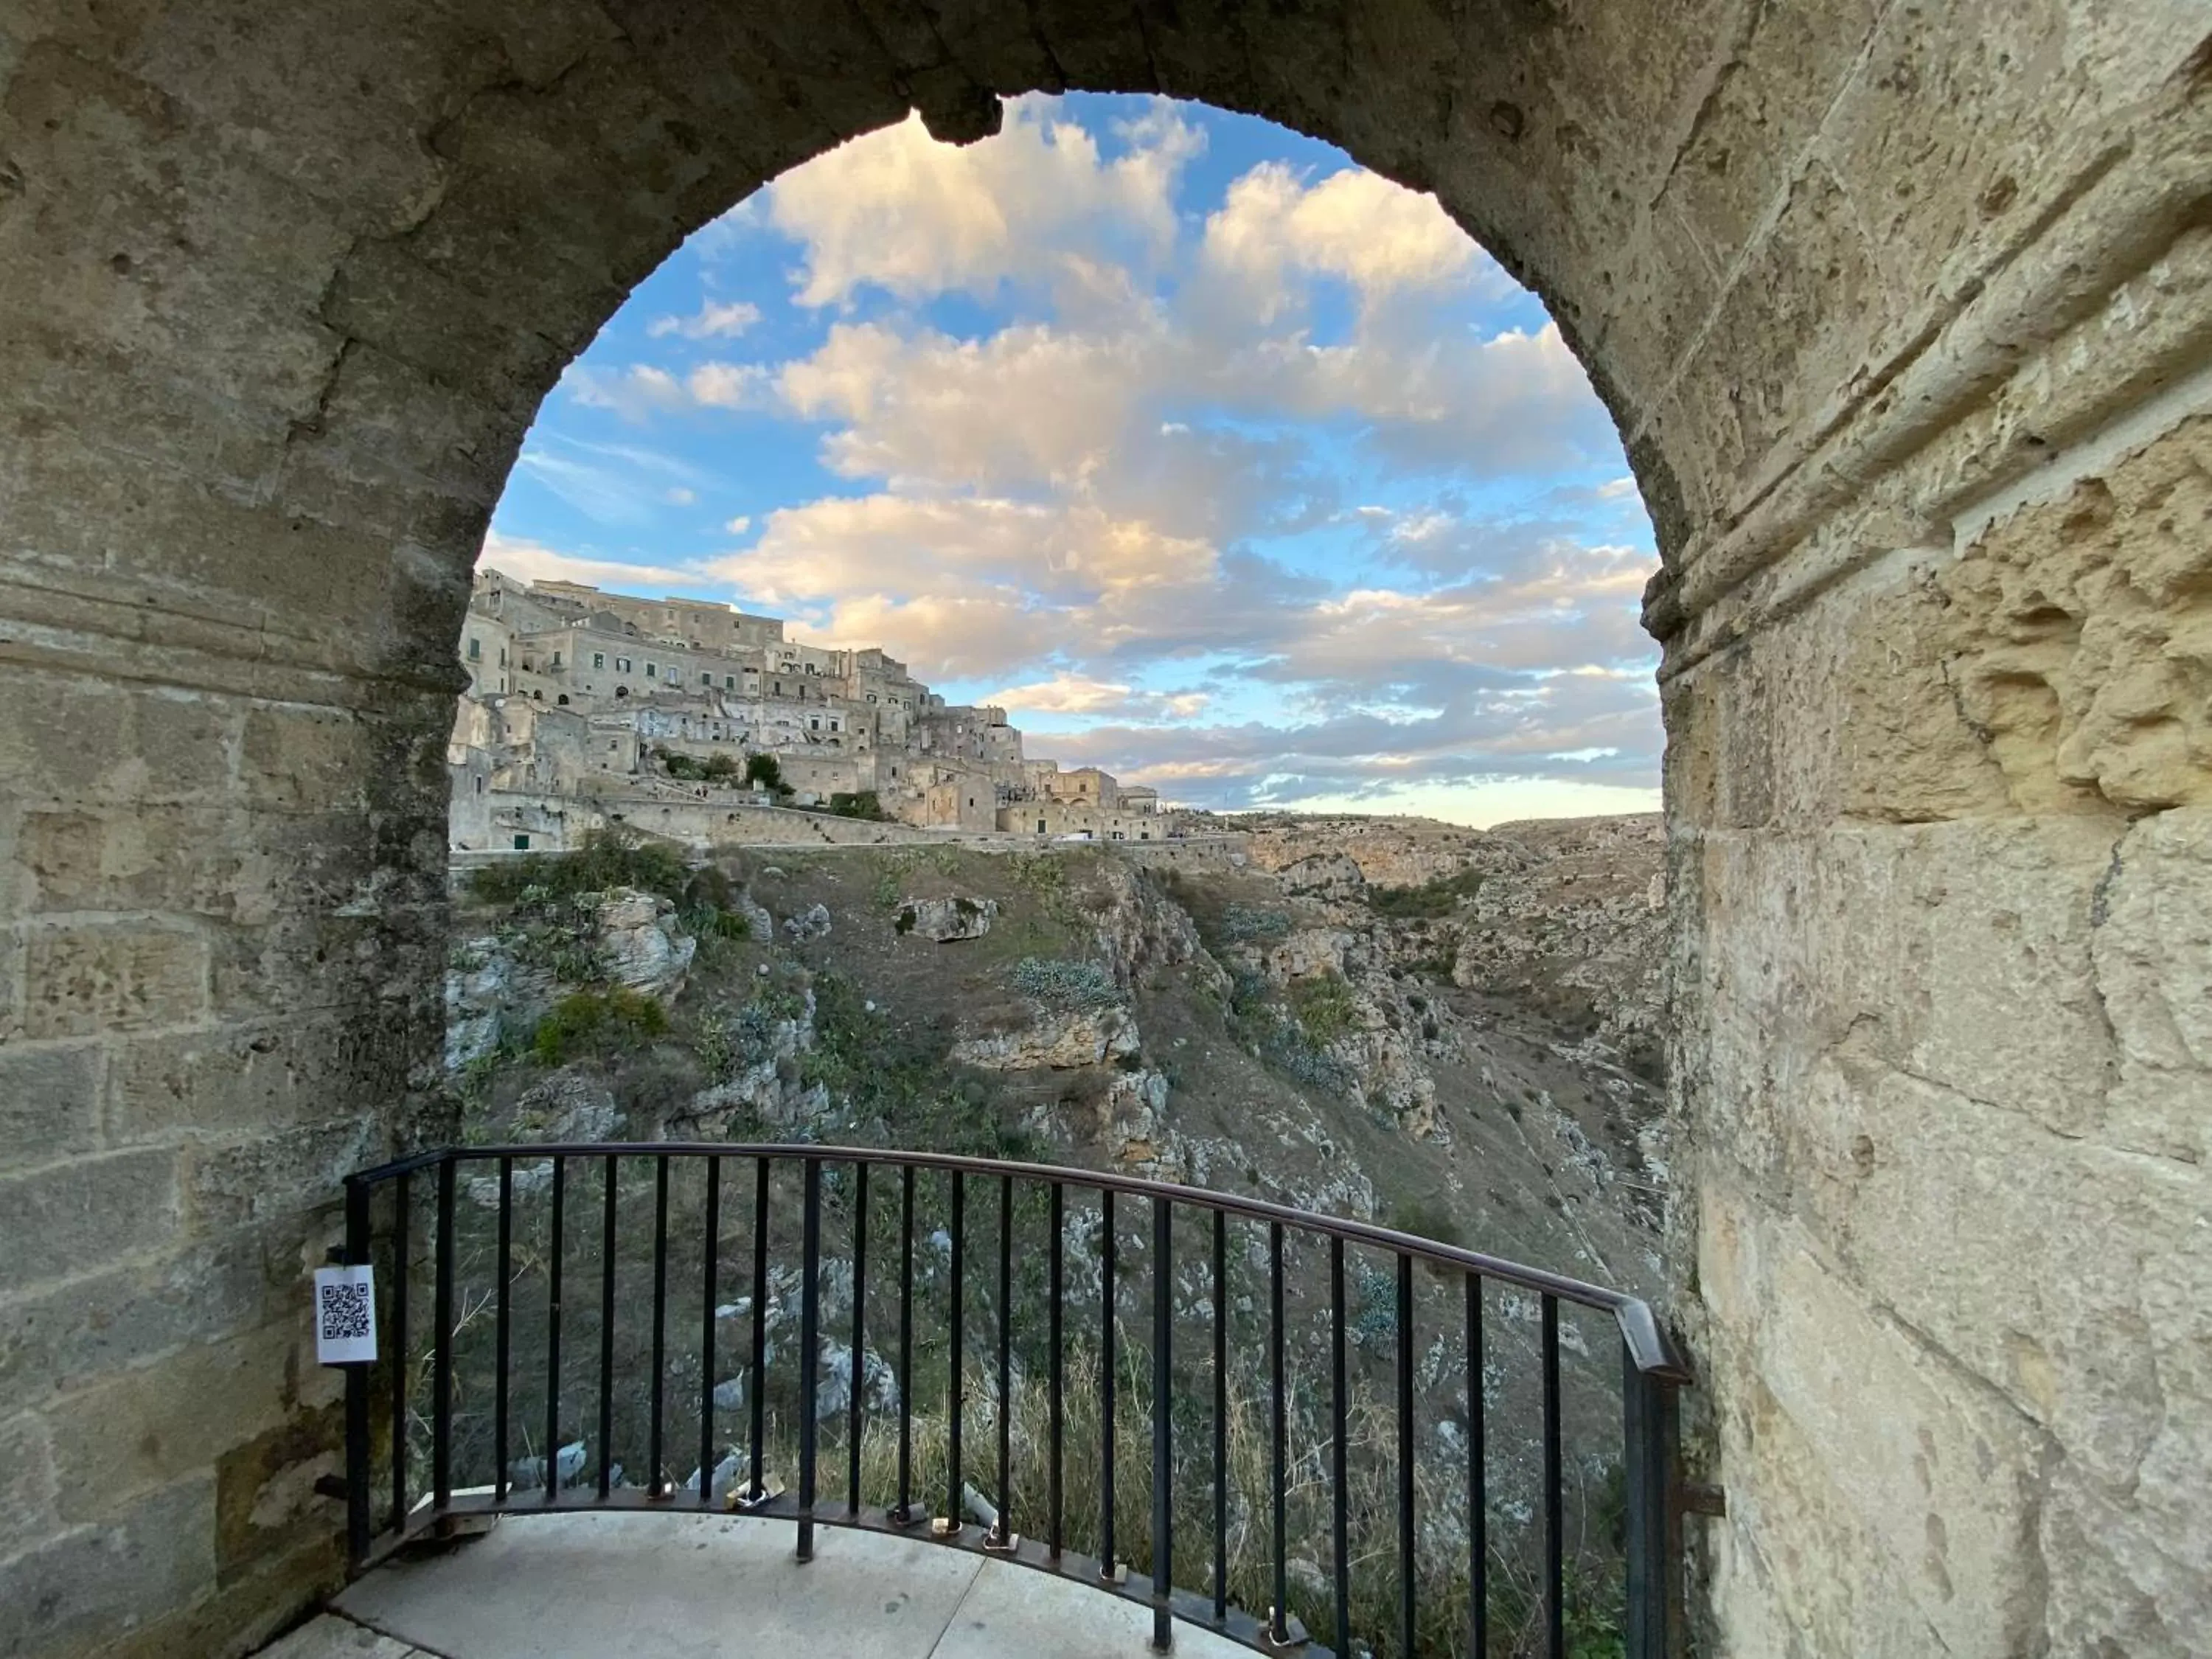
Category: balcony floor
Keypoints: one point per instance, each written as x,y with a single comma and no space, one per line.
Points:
718,1586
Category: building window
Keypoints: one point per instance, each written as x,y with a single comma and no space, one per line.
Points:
652,671
479,786
622,665
522,843
729,682
557,659
598,659
814,722
476,650
562,699
834,727
706,679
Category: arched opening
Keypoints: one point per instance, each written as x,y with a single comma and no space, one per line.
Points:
1934,810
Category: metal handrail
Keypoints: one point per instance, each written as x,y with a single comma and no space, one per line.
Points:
1651,1371
1647,1341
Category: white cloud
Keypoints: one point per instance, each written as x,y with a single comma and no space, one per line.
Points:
682,497
739,525
636,392
533,562
622,484
1382,238
711,321
1079,693
1029,405
897,210
642,391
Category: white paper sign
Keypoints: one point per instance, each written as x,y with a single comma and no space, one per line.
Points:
345,1315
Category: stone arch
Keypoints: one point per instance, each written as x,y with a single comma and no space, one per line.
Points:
1904,319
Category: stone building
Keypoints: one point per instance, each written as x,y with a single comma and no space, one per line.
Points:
642,681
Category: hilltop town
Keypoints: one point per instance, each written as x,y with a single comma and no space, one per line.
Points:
701,721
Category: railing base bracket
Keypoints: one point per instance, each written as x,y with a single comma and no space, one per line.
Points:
1296,1635
943,1526
999,1543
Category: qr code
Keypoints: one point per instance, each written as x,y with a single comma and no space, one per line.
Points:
345,1312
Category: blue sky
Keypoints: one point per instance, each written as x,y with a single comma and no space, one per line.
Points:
1219,460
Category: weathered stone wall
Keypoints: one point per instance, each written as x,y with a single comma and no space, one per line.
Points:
280,287
1950,953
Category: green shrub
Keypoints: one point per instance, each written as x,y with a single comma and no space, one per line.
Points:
865,804
1065,984
766,772
1425,1219
1324,1007
597,1023
608,858
1428,901
1242,924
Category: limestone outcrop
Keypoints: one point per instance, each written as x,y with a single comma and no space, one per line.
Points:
943,920
1056,1039
639,945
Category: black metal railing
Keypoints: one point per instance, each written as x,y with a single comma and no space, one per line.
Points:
1533,1517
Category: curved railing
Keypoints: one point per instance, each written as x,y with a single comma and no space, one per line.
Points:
1508,1555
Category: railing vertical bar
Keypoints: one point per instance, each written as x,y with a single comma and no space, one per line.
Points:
554,1246
904,1515
1478,1481
504,1327
756,1377
957,1361
1339,1493
1642,1424
441,1418
606,1459
1220,1284
810,1348
356,1393
711,1254
1555,1610
1056,1406
1278,1434
1406,1518
1002,1531
856,1422
1162,1421
655,1485
1107,1564
402,1246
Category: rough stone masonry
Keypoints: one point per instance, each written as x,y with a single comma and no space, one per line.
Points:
1903,311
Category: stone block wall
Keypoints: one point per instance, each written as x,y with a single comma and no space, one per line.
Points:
1904,313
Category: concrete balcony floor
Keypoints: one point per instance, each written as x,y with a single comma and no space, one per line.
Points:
626,1586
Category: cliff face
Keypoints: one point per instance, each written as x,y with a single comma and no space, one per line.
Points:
1449,1031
